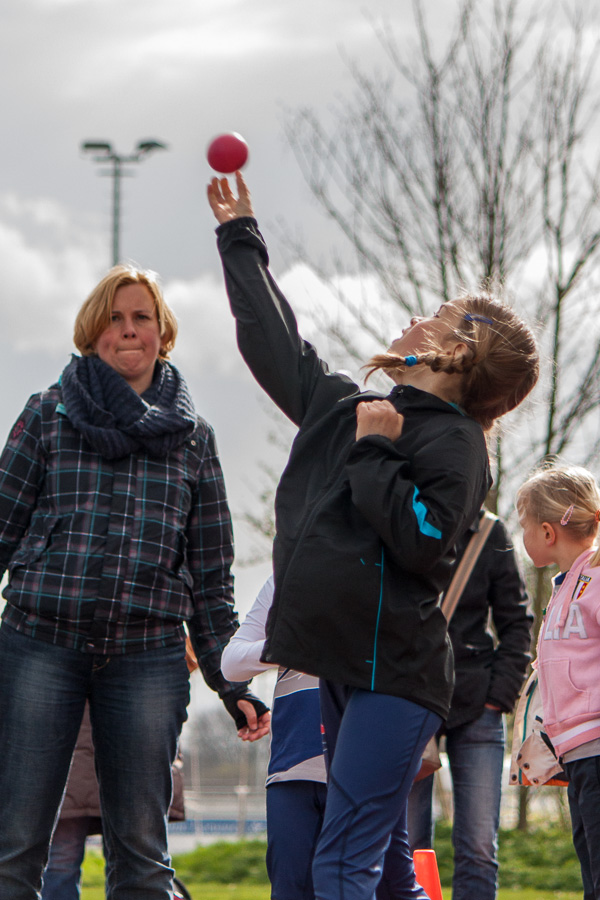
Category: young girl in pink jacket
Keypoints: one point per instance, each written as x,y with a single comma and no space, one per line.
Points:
559,511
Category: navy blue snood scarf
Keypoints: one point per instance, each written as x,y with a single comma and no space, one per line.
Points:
116,420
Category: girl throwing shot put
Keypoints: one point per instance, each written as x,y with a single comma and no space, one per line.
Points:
376,492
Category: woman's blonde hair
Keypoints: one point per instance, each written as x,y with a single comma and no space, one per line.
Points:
566,497
94,315
500,367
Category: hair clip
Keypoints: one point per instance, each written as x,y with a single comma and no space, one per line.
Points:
567,515
484,319
410,360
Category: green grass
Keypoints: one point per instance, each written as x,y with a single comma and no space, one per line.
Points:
538,865
528,894
541,859
214,891
224,862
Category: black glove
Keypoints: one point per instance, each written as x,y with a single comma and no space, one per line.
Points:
231,701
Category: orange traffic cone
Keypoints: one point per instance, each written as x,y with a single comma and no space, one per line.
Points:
427,874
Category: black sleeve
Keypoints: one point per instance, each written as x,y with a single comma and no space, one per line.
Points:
286,366
420,522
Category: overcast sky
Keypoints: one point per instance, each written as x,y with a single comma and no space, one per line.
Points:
179,72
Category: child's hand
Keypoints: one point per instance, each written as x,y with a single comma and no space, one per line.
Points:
378,417
256,727
223,202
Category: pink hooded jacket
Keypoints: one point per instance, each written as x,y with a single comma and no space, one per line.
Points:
569,658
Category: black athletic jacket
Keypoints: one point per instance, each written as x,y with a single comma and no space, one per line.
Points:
365,529
489,666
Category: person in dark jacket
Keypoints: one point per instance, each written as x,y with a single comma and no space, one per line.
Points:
489,666
376,493
115,529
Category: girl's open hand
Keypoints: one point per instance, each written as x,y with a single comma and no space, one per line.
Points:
378,417
223,202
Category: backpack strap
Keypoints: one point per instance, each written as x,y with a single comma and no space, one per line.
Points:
467,563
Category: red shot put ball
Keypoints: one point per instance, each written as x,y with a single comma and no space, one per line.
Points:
227,152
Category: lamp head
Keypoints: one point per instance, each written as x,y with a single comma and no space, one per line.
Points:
96,147
149,146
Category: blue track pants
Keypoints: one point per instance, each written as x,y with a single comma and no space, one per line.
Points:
374,744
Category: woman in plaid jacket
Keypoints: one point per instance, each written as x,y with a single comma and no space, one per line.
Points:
115,530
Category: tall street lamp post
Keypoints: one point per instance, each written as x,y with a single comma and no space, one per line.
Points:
102,152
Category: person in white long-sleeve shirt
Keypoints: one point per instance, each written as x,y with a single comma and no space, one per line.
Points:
296,777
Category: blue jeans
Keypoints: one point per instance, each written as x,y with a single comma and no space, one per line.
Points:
584,805
62,876
475,753
138,705
374,744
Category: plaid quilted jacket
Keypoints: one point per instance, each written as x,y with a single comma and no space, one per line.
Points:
110,556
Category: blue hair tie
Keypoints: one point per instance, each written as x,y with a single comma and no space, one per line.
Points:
484,319
410,360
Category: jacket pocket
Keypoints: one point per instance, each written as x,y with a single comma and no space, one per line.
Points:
35,542
563,700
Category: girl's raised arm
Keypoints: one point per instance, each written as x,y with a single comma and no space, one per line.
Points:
286,366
